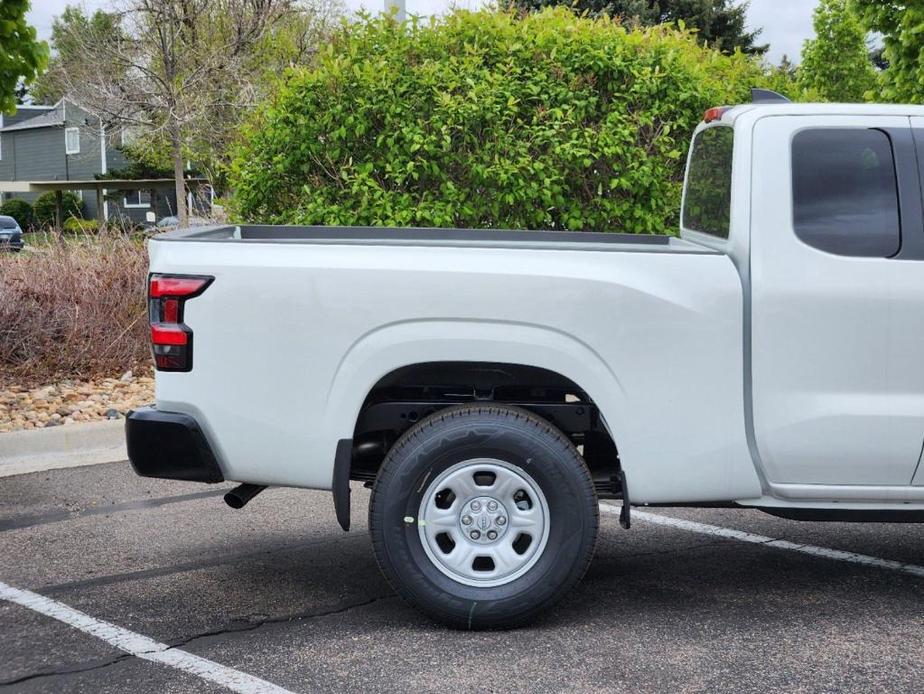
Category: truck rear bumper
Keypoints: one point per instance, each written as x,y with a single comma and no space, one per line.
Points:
169,445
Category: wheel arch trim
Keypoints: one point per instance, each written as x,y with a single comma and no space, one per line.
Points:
399,345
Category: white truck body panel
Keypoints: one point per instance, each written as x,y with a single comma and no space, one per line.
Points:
646,333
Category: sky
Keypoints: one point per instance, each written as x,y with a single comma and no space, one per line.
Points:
786,23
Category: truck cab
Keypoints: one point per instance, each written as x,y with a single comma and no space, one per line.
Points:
823,221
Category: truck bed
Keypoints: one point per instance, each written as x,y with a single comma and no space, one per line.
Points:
300,324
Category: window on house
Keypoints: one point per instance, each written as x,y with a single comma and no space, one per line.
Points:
1,147
137,198
72,140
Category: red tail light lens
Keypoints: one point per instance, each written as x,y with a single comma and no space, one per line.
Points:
180,286
171,338
169,335
170,310
715,113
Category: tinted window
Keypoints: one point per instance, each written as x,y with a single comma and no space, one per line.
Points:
845,199
707,204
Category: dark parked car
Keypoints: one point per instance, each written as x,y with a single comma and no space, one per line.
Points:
10,234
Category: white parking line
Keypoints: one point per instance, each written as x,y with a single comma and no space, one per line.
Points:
140,646
740,535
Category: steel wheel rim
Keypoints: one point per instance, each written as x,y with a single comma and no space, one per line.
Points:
496,520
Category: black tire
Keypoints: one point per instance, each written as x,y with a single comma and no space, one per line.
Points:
521,440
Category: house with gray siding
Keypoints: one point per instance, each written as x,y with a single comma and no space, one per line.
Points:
64,142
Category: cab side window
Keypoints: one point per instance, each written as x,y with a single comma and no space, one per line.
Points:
844,192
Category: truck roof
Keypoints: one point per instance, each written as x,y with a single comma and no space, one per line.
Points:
796,109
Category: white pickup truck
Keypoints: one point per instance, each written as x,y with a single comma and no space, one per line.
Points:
491,386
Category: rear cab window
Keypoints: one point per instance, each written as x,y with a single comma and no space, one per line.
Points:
707,195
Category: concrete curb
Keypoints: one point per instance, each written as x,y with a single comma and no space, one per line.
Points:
69,445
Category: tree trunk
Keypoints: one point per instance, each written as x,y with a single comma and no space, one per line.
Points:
100,218
59,216
181,211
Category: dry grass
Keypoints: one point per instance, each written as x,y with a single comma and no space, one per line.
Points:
73,310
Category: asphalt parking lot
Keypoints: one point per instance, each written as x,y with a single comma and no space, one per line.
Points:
278,592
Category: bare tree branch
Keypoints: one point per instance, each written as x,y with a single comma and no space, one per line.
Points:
187,71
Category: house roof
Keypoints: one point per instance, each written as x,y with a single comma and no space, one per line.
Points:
47,119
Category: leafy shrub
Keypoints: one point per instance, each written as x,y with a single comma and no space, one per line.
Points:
486,119
19,210
43,209
76,225
75,310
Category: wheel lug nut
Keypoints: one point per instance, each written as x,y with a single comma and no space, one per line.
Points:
476,506
466,520
475,534
500,520
492,505
492,534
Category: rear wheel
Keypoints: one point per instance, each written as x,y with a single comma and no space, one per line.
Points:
483,516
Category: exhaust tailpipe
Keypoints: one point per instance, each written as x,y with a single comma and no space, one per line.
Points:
241,495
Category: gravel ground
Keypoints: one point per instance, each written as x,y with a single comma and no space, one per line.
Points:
278,591
67,402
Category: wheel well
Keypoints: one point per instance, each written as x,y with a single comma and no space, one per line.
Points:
411,393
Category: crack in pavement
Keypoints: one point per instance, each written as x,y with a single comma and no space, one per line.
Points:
212,636
65,673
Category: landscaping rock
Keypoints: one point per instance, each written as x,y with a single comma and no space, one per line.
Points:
67,402
43,393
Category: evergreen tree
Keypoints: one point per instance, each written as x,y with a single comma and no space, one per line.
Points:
721,23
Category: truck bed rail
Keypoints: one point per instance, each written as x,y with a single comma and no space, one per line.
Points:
412,236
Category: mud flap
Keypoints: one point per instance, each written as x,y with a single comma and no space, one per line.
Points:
625,519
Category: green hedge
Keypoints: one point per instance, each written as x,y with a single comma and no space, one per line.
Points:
486,119
20,210
43,208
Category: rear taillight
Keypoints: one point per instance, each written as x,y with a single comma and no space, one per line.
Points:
715,113
171,338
